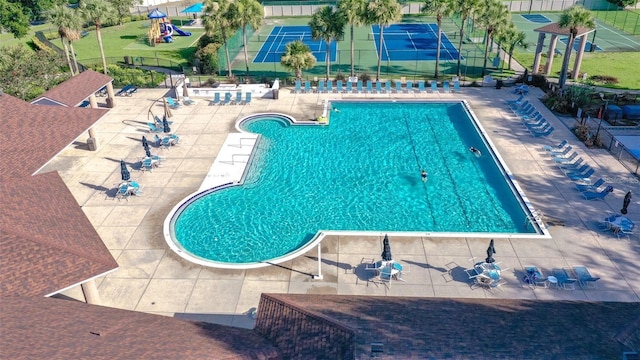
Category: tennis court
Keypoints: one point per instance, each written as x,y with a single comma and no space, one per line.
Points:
274,45
536,18
411,42
576,45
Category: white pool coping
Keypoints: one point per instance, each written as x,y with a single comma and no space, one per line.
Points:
229,169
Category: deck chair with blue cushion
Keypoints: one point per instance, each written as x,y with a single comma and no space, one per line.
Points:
321,86
434,86
581,175
521,105
409,87
359,86
146,164
564,280
585,279
456,86
172,103
216,99
387,87
378,87
153,128
445,87
546,131
536,125
350,88
298,88
329,86
590,187
123,191
517,101
398,87
238,100
421,88
592,195
565,158
569,171
369,86
307,86
562,153
339,86
227,98
534,276
247,98
560,145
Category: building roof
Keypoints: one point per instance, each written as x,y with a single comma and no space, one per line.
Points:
74,91
476,328
556,29
46,242
49,328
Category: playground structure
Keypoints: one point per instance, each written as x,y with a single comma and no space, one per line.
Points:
161,28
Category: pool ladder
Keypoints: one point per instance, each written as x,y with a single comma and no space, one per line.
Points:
239,145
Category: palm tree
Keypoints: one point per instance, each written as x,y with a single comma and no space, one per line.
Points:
327,24
465,8
219,14
573,18
354,12
66,21
508,37
248,13
383,13
297,57
98,12
492,14
439,8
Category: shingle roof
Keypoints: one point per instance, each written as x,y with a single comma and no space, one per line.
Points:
34,134
62,329
77,89
556,29
476,328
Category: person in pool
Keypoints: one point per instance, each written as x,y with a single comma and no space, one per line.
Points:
424,175
475,151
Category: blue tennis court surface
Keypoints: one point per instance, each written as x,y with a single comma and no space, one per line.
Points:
576,45
273,48
411,42
536,18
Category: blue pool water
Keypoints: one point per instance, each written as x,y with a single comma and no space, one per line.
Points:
362,172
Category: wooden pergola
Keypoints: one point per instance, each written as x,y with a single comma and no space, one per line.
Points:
556,30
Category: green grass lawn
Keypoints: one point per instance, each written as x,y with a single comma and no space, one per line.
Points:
621,65
131,39
627,20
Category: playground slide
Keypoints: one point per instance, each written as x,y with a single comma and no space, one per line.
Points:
180,31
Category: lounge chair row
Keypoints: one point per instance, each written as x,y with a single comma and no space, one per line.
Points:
574,167
127,91
532,119
228,99
561,278
379,87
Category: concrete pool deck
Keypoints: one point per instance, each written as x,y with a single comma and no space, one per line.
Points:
153,279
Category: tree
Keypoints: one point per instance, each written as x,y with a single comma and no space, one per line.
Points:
439,8
219,14
13,19
327,24
297,57
465,8
248,13
123,7
508,37
354,13
26,74
492,15
35,8
67,22
574,18
383,13
623,3
98,12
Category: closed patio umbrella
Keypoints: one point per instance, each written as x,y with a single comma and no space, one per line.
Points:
167,110
185,91
124,172
490,251
165,125
147,152
625,202
145,143
386,249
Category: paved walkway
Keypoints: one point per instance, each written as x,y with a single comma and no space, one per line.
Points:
153,279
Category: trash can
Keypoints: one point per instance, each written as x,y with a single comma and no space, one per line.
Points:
127,60
110,103
499,84
275,93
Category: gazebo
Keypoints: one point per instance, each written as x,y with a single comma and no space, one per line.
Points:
555,30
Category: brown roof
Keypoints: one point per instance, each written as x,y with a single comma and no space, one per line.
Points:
46,242
38,132
476,328
556,29
46,328
77,89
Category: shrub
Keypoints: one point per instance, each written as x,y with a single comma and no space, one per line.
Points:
364,77
208,58
138,77
604,79
341,76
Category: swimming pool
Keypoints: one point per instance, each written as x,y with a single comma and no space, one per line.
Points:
359,173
